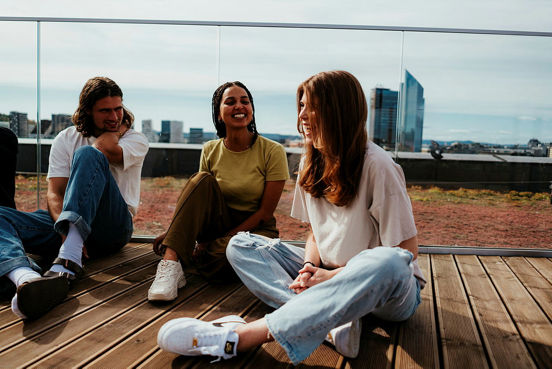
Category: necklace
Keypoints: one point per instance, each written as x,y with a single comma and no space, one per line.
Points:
225,142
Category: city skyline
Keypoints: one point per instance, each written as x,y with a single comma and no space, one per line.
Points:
477,87
61,121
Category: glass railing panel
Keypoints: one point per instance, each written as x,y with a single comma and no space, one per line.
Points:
167,74
18,105
273,62
474,134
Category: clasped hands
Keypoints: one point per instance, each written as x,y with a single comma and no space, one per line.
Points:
309,276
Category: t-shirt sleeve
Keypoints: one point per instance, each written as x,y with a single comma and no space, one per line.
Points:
135,147
59,162
203,166
277,165
391,206
299,205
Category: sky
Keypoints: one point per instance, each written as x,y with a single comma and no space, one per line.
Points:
484,88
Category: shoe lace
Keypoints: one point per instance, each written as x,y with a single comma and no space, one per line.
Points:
164,272
212,343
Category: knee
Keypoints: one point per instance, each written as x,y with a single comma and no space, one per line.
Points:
202,177
88,153
238,246
392,261
233,248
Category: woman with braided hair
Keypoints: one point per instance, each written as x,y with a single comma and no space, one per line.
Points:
240,180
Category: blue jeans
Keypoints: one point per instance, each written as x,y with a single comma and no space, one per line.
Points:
92,202
378,281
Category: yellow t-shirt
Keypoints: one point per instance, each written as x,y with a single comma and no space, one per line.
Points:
242,175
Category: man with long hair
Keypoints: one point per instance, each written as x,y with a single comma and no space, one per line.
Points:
93,193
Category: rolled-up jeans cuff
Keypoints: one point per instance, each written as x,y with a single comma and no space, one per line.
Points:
62,226
18,262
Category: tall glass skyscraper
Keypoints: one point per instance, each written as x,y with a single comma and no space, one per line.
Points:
383,117
411,113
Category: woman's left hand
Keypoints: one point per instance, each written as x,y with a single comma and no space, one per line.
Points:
318,275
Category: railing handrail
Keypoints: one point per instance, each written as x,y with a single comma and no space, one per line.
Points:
358,27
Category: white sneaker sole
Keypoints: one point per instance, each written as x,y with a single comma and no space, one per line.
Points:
166,329
167,297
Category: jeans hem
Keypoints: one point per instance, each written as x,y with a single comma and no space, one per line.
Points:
18,262
288,348
69,216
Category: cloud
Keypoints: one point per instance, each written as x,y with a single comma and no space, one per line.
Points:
524,117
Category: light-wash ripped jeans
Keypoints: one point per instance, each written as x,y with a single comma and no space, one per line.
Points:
378,281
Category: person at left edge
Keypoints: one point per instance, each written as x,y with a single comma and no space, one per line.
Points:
93,193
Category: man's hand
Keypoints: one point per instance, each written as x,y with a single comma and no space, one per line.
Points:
108,144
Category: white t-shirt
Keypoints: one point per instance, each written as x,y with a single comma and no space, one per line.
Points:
127,175
380,215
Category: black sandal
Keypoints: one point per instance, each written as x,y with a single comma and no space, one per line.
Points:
67,264
38,296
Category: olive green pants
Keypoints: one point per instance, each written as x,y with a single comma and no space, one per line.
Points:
202,216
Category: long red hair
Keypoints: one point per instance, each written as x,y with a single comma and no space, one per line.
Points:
338,107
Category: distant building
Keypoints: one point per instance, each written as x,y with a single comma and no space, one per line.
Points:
148,131
19,124
412,104
59,123
196,135
171,131
45,129
383,117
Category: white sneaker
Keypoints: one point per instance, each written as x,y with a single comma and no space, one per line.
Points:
346,338
193,337
168,279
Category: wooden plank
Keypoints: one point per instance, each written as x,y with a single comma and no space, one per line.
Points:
98,341
80,287
543,265
536,284
377,344
460,341
532,323
47,342
139,346
127,253
236,303
417,346
29,330
97,265
504,345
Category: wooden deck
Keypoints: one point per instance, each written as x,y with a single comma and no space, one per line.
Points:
477,312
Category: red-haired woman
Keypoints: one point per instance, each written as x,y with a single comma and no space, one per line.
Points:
360,257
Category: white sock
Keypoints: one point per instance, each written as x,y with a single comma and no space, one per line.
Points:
15,308
70,250
19,276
